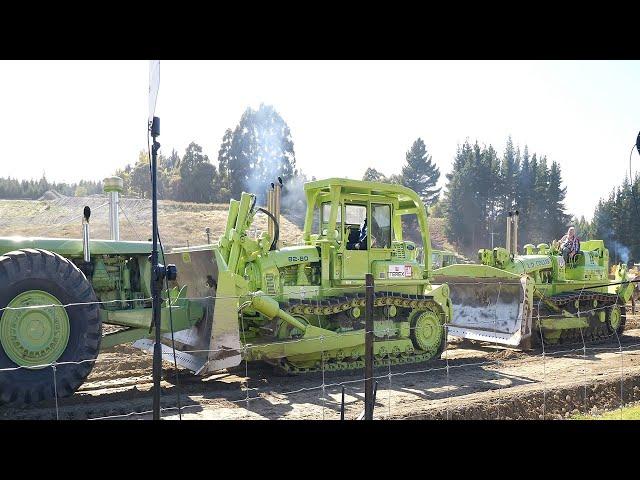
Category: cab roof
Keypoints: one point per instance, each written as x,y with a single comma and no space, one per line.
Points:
407,198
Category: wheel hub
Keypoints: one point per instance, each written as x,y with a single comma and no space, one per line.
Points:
34,336
428,332
614,318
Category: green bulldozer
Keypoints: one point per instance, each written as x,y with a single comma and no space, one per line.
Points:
525,300
300,308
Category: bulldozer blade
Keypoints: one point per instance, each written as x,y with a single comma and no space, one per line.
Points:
489,309
189,361
216,338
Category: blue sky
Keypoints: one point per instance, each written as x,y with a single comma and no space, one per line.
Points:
77,120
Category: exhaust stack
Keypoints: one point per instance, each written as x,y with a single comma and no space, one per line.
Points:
270,207
516,216
113,186
512,232
276,203
86,253
508,236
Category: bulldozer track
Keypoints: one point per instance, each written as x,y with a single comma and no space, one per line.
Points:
332,305
335,305
597,332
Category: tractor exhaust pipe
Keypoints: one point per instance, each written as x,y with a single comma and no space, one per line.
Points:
86,266
113,186
86,253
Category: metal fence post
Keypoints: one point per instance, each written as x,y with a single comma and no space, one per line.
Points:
368,347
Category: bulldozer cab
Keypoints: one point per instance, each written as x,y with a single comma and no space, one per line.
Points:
359,229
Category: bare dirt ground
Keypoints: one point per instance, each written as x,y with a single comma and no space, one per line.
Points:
471,381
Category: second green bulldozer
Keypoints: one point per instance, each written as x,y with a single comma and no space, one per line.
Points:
525,300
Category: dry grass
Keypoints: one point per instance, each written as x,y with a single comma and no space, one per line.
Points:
180,223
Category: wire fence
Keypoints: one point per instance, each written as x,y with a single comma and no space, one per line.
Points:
462,379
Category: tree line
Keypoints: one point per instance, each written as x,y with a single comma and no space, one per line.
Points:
251,156
616,221
14,189
483,187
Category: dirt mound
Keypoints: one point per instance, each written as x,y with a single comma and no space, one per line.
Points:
50,195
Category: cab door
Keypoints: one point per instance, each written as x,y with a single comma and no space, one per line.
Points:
380,233
355,255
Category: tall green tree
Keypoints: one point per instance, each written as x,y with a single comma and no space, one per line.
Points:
457,198
557,220
198,176
420,173
509,170
259,150
373,175
524,196
224,154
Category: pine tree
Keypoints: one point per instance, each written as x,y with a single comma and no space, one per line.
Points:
539,211
509,176
457,199
420,173
557,218
524,195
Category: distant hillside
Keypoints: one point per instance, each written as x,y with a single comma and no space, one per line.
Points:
180,223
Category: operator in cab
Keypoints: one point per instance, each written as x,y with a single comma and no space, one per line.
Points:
358,238
569,244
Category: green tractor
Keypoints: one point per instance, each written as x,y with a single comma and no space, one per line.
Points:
299,308
525,300
57,293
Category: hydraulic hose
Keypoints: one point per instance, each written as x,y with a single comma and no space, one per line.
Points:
276,234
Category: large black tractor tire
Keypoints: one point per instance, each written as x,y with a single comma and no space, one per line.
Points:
30,270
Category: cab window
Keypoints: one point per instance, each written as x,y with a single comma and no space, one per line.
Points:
380,226
326,212
355,224
315,223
